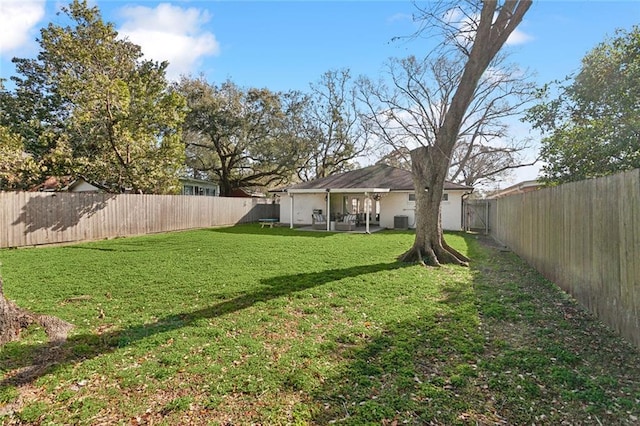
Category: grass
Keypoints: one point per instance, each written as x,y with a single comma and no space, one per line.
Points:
246,325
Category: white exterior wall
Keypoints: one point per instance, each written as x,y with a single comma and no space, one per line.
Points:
452,211
398,204
303,206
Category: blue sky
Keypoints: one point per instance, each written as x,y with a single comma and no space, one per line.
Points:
286,45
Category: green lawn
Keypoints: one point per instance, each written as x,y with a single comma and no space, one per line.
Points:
246,325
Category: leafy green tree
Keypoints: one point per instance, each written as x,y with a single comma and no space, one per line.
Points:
241,138
592,125
93,96
17,168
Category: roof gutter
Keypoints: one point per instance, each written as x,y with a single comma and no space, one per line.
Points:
336,190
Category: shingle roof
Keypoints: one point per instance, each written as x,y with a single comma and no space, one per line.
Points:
377,176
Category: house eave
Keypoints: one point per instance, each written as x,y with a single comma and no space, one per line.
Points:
337,190
359,190
306,191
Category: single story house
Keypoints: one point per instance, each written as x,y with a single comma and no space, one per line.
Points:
68,184
191,186
378,195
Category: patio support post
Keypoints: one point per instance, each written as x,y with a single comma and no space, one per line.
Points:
291,211
328,220
367,209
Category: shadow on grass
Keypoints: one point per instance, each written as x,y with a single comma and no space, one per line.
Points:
93,248
34,361
448,367
544,359
282,230
404,375
411,373
503,347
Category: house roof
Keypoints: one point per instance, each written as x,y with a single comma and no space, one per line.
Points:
245,193
66,184
93,186
377,177
52,183
193,181
518,188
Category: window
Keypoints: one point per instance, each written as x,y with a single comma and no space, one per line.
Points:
355,204
412,197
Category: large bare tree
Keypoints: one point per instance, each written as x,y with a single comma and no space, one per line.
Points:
432,104
481,164
485,151
333,128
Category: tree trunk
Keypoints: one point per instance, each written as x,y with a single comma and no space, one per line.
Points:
11,320
14,319
225,188
429,169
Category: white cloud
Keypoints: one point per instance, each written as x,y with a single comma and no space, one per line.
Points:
17,21
170,33
399,17
466,27
518,37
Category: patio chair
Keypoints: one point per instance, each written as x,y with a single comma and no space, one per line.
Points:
348,223
318,221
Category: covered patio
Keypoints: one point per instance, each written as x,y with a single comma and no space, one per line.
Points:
349,210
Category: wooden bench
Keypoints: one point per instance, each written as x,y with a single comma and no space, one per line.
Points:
265,222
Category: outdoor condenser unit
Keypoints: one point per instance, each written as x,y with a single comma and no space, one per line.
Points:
401,222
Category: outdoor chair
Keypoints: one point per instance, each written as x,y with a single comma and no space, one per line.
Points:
348,223
318,221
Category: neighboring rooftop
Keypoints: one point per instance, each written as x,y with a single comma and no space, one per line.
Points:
68,183
518,188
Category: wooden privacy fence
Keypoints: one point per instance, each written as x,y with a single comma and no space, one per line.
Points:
28,219
585,237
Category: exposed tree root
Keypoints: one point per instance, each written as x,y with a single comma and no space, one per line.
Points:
434,256
414,254
456,253
14,319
